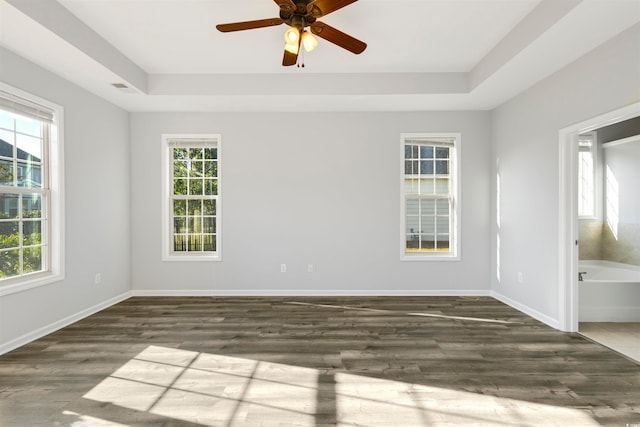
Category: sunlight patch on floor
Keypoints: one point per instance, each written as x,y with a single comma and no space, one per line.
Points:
218,390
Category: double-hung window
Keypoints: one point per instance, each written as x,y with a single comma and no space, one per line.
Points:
31,249
192,197
429,188
587,158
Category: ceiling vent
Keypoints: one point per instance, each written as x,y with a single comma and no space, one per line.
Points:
122,87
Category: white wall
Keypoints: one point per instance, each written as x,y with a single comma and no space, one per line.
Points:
624,162
96,161
526,156
301,189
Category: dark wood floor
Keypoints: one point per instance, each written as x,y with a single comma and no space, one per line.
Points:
433,361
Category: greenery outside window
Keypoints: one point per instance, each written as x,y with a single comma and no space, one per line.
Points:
30,191
429,188
192,197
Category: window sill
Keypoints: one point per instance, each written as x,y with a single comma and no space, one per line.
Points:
20,284
429,257
191,258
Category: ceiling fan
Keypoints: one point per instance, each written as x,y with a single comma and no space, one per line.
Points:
298,15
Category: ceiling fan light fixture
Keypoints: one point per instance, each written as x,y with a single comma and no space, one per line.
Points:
292,35
292,48
308,41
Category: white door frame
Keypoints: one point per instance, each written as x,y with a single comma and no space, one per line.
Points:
568,204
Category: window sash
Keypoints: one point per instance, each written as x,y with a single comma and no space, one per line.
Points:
428,231
192,235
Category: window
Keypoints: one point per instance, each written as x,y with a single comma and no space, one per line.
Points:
587,155
31,248
429,188
192,195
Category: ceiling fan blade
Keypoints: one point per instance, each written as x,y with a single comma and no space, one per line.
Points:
286,4
337,37
249,25
324,7
289,59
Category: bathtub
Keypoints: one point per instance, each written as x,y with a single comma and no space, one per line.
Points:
609,292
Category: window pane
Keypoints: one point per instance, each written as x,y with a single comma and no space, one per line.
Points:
413,225
32,260
180,225
6,173
209,207
180,153
443,242
413,242
180,243
211,187
195,207
9,140
195,187
29,148
8,206
210,153
195,153
31,233
180,187
179,207
196,169
426,152
427,242
28,126
442,186
210,169
195,242
442,152
210,243
426,167
442,167
9,263
180,169
209,224
427,207
443,207
29,175
428,224
9,235
411,186
442,224
412,207
6,120
426,186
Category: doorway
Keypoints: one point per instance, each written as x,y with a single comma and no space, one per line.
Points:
568,208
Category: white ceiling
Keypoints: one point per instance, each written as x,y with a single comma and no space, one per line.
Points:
421,54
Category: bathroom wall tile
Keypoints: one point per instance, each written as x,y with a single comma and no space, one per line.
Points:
590,241
625,248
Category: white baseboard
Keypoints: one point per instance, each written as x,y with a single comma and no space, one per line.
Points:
554,323
609,314
302,293
46,330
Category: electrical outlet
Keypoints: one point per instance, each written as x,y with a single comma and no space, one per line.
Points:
283,268
520,277
310,268
97,279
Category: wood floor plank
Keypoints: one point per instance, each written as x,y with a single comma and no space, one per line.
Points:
321,361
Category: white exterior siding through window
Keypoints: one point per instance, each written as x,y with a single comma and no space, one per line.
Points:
429,188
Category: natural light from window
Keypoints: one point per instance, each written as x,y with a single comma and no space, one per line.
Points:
613,202
220,390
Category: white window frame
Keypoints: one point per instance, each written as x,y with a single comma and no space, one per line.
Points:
168,254
53,191
454,168
593,175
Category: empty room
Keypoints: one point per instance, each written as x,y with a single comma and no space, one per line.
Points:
319,213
